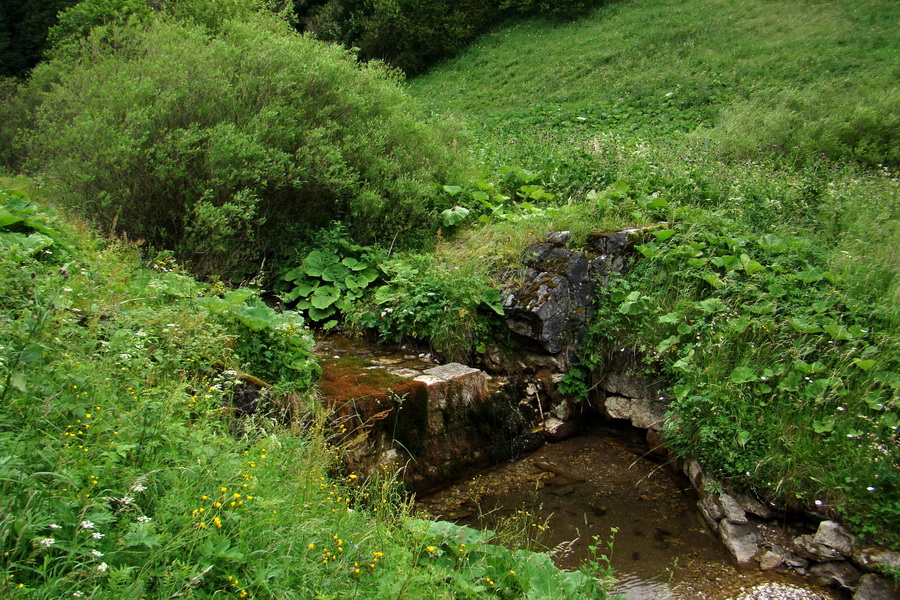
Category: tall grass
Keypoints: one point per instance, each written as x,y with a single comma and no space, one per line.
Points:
126,471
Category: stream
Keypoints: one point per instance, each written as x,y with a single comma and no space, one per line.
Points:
662,549
601,488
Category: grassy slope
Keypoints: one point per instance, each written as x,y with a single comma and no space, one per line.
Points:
724,111
124,473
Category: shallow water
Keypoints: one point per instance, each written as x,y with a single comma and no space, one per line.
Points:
571,494
662,549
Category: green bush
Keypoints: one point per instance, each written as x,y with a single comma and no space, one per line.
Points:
228,148
76,22
842,121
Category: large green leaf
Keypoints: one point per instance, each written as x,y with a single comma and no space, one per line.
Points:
491,298
7,218
335,272
743,375
256,317
305,288
317,261
317,314
354,264
453,216
387,293
324,297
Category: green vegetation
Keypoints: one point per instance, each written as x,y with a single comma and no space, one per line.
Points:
211,135
236,154
414,34
765,136
126,473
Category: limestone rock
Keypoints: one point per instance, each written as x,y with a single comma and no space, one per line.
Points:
643,413
733,510
871,559
710,515
834,535
742,541
807,547
559,238
873,587
711,503
797,563
772,559
554,303
836,573
694,471
753,506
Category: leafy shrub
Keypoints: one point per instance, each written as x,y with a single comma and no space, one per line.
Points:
275,346
330,280
422,299
76,22
257,136
819,120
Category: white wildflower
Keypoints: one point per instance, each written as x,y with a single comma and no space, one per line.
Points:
138,488
124,356
96,553
102,567
47,542
86,525
143,519
54,526
97,535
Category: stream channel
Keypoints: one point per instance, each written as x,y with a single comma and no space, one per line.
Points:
583,491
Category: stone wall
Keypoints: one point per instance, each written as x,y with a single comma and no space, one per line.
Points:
438,423
550,311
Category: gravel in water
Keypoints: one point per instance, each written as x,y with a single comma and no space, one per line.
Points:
778,591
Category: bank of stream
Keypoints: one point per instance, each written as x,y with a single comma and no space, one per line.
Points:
567,495
603,487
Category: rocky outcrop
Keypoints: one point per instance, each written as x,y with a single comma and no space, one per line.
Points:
436,423
755,534
554,302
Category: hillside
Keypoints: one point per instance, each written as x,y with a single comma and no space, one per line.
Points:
765,135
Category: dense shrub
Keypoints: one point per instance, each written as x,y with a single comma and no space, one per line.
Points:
839,120
227,148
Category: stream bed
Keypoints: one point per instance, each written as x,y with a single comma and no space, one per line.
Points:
567,493
598,488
